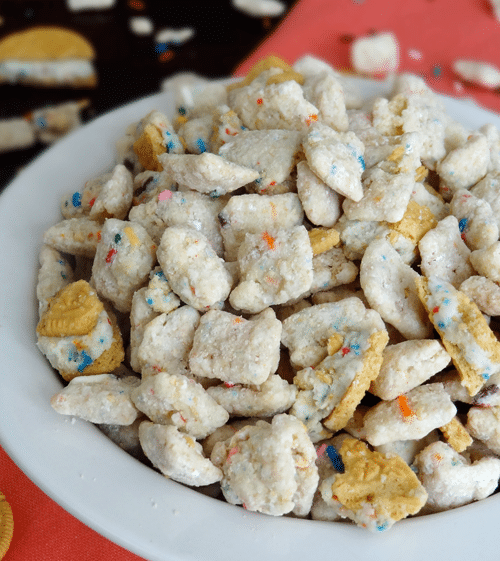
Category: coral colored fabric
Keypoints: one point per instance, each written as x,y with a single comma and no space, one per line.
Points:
441,30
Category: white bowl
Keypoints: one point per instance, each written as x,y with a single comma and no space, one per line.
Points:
93,479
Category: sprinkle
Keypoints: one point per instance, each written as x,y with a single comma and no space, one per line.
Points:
406,410
436,71
345,350
201,145
274,212
260,101
462,225
382,527
311,119
165,195
269,240
321,450
110,255
435,310
136,4
91,202
238,320
414,54
149,301
229,384
132,236
333,169
87,361
166,56
76,199
231,452
335,458
118,238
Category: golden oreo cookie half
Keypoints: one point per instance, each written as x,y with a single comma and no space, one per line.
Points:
6,525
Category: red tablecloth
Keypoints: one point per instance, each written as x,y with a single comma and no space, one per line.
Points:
431,33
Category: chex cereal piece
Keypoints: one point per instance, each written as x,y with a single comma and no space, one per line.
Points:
235,350
271,153
456,435
306,333
225,432
325,92
410,416
323,239
252,457
167,340
444,253
483,423
196,134
486,261
356,235
178,456
484,293
193,269
274,106
226,125
53,275
386,197
273,396
141,313
115,196
321,204
79,203
124,257
253,213
158,293
375,54
426,196
407,449
163,138
337,159
102,398
331,269
329,462
389,287
408,364
373,490
488,189
207,172
275,267
174,399
331,391
74,310
466,165
77,236
472,345
476,221
452,385
97,352
451,480
188,208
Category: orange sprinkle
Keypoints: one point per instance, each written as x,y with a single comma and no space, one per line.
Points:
238,320
274,212
269,240
406,410
311,119
136,4
260,101
166,56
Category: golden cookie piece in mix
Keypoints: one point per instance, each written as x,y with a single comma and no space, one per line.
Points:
372,489
472,345
456,435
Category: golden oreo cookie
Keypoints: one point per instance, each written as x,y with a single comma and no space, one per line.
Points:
6,525
149,146
74,310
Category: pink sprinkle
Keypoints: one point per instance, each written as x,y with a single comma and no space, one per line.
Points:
165,195
321,450
231,452
414,54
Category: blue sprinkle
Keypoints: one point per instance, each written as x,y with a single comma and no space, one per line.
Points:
61,262
462,225
258,180
446,301
335,458
436,71
362,162
181,110
160,274
149,301
333,169
382,527
76,199
441,325
168,133
170,145
485,375
161,48
201,145
87,361
214,194
41,122
101,340
63,275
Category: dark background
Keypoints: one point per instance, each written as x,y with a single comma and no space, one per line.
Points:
129,66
